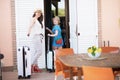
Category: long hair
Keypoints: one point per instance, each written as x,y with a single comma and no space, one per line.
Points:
40,19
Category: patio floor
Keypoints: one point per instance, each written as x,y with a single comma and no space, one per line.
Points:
35,76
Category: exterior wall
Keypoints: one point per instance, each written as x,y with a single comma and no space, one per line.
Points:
99,24
110,16
6,45
13,32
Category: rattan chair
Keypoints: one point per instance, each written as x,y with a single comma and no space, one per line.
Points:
110,49
97,73
62,69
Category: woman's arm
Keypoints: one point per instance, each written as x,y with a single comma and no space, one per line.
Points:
30,27
53,35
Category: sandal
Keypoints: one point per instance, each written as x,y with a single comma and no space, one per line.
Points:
36,69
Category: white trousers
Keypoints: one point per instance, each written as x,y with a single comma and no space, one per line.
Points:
37,48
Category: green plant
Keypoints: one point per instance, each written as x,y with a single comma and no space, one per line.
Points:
93,50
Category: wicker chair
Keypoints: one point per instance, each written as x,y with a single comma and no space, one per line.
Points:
62,69
97,73
110,49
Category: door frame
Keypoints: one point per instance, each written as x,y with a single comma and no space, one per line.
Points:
67,23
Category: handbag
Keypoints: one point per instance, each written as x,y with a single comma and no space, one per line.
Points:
59,41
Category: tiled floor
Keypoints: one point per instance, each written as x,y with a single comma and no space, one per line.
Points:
35,76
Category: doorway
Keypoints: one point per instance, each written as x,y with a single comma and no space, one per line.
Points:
57,8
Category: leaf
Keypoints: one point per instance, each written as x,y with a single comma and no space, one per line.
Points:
93,54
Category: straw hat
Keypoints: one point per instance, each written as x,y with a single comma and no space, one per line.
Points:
38,11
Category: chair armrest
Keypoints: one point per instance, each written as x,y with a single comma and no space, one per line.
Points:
58,65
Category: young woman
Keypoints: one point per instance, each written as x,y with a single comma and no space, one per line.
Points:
35,31
56,34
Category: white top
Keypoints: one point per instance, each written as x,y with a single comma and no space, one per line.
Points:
37,28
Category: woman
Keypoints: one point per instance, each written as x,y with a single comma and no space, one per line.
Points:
57,42
35,31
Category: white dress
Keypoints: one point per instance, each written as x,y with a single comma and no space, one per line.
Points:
36,32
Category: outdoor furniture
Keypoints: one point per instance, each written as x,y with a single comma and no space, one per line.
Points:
1,57
78,60
97,73
62,69
110,49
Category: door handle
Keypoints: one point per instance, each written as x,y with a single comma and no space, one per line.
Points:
78,34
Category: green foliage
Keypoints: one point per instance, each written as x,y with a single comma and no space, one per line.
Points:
61,12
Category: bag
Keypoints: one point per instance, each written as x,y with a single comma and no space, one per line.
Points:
50,58
50,61
59,41
24,62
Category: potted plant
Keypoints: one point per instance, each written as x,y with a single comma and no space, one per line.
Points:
94,52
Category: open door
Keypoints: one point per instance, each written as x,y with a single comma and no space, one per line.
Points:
57,8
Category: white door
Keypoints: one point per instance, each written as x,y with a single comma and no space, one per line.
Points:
85,24
24,10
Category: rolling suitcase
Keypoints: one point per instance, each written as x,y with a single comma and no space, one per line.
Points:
24,62
50,58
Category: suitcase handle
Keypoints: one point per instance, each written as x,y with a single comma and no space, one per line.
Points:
48,46
26,63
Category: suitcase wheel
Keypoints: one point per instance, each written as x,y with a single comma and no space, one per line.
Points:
21,77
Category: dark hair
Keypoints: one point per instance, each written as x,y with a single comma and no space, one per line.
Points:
40,19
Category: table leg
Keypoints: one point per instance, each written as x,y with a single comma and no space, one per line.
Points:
79,73
71,73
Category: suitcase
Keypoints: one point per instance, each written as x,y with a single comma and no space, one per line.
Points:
50,58
24,62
